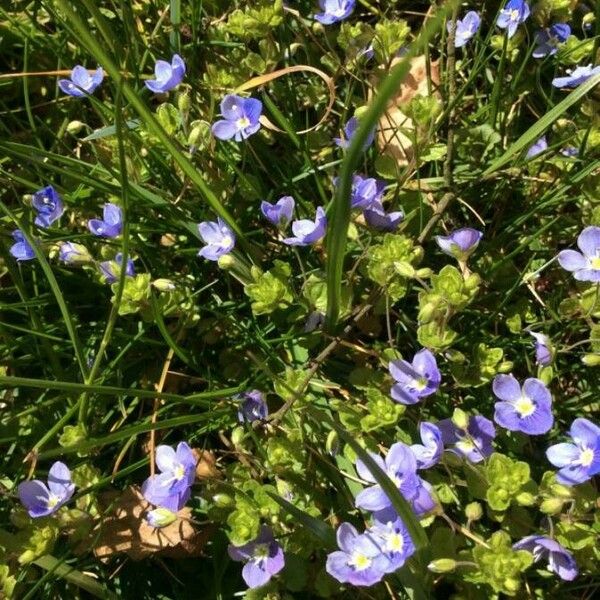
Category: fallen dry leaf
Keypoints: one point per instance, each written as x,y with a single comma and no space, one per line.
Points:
206,467
394,129
124,530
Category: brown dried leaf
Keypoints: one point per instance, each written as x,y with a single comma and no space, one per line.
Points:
206,467
124,530
394,129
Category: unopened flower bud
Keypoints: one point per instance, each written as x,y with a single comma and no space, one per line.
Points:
184,103
442,565
561,491
226,262
237,436
160,517
551,506
404,268
460,418
506,366
223,500
474,511
424,273
455,356
591,360
74,127
163,285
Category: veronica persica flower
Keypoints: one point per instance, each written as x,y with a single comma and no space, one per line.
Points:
334,10
81,82
252,407
349,131
307,232
465,28
240,118
48,205
42,500
359,561
512,15
218,237
415,380
544,353
263,557
400,465
167,76
560,560
430,451
580,460
395,542
74,254
575,77
365,191
527,409
537,147
110,225
111,269
171,489
460,244
376,217
280,213
584,265
474,443
21,250
548,40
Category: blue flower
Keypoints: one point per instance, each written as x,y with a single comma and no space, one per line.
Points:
74,254
48,205
21,250
584,265
81,82
465,28
263,557
415,380
429,453
171,488
366,191
334,11
168,76
252,407
512,15
400,465
474,443
349,131
544,353
460,244
111,225
576,76
580,460
395,542
528,410
111,269
547,40
241,118
376,217
537,147
560,560
218,237
42,500
280,213
307,232
360,560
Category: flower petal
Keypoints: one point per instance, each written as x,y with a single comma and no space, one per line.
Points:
571,260
585,433
506,387
562,455
589,242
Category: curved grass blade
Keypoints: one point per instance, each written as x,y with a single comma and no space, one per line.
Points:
319,529
337,231
534,132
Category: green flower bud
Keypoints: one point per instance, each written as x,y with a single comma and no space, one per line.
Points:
405,269
561,491
424,273
237,436
161,517
591,360
460,418
184,103
332,445
551,506
226,262
506,366
74,127
474,511
442,565
164,285
525,499
223,500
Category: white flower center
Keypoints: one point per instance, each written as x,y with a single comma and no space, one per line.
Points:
261,552
359,561
395,542
420,384
586,457
53,500
595,262
227,240
514,15
242,122
179,472
524,406
465,445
